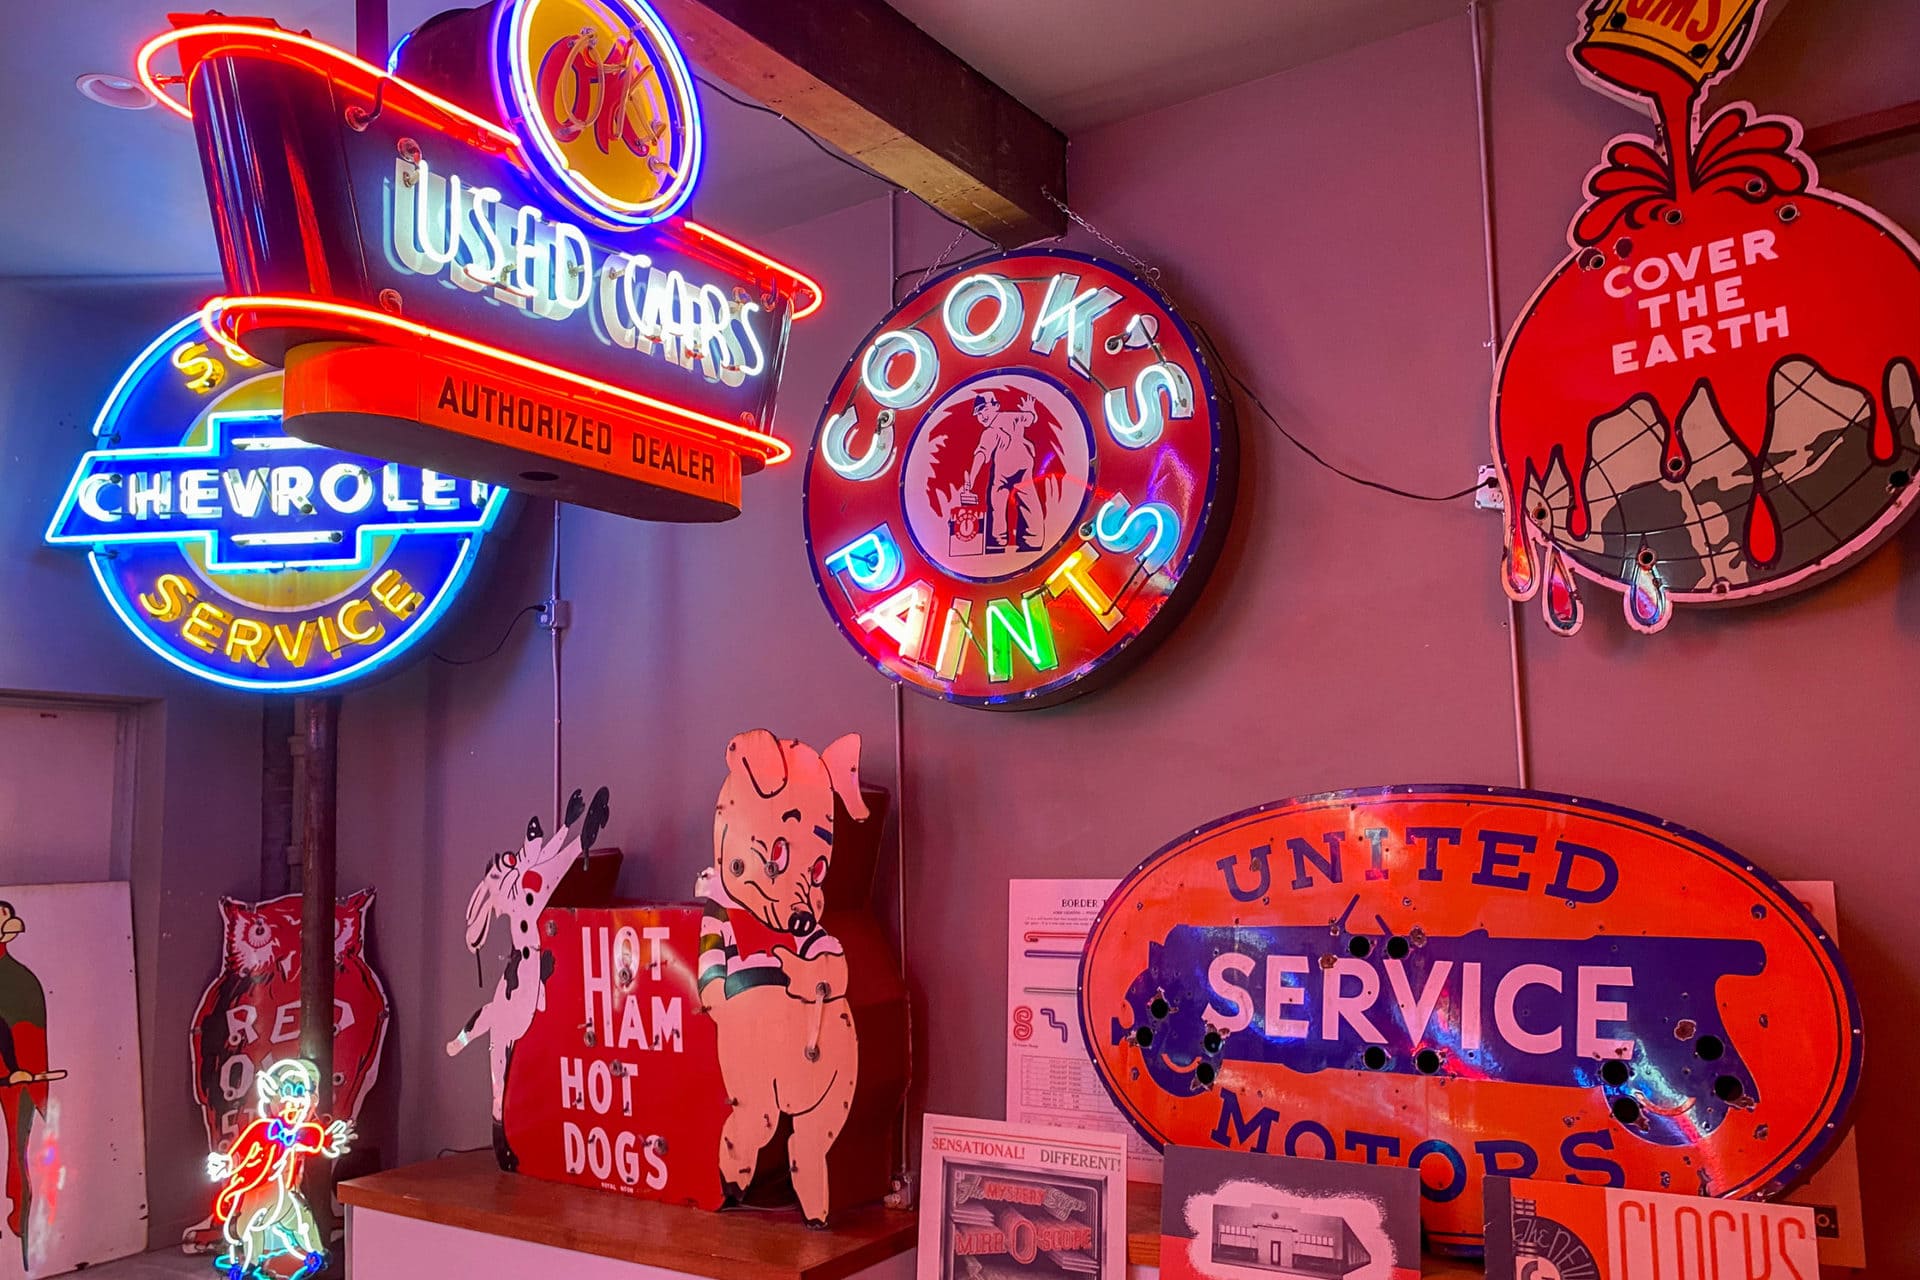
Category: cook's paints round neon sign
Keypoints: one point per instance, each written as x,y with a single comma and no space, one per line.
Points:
1021,478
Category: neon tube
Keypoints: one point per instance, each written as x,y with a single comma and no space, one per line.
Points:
215,317
272,42
268,37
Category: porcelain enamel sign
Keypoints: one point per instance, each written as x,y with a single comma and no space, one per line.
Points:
1020,480
1474,982
1713,399
249,558
478,259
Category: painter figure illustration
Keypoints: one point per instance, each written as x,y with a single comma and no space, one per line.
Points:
1005,458
269,1230
24,1076
516,889
771,976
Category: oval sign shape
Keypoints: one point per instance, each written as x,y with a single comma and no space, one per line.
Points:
1474,981
1021,479
605,102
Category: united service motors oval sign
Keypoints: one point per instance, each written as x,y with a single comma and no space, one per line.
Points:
1021,478
1474,982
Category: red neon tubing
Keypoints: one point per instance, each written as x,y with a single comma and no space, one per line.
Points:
217,319
273,42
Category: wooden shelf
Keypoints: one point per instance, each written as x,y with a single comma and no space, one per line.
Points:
469,1192
1143,1238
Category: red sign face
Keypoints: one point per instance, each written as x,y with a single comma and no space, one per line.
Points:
1556,1229
614,1085
1714,398
1474,982
1022,476
250,1014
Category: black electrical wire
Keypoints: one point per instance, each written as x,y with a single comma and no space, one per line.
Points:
504,637
1233,376
826,150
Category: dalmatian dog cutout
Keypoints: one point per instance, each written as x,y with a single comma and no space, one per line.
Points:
516,889
771,976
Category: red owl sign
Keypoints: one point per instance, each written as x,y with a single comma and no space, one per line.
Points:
250,1014
1713,398
1022,477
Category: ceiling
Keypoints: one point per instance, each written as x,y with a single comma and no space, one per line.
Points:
90,191
1082,63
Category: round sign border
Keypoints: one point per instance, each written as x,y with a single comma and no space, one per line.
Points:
514,101
1201,555
1781,1179
430,613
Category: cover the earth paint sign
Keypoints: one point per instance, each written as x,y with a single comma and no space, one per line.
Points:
1474,982
1713,398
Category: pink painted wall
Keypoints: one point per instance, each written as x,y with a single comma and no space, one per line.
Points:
196,819
1324,224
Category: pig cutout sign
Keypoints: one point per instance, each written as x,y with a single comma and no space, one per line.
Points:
772,977
702,1053
250,1016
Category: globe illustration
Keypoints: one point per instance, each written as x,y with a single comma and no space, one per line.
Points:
1818,481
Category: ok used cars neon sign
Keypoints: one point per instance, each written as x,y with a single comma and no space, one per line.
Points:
477,261
247,557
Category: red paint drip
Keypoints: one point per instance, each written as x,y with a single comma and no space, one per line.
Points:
1517,566
1884,444
1674,462
1763,526
1561,604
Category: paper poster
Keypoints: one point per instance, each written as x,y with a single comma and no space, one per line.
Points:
71,1124
1005,1201
1833,1192
1584,1232
1237,1215
1050,1076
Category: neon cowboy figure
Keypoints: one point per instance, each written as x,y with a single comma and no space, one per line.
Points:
262,1213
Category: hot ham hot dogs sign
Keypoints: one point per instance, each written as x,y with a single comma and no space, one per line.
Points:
1475,983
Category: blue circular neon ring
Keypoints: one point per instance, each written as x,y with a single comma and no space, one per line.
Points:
153,408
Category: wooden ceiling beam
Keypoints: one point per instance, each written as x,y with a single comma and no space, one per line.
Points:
861,77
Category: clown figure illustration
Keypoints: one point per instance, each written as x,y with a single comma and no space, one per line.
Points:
269,1229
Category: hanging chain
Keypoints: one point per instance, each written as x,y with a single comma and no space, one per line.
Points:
936,264
1152,273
